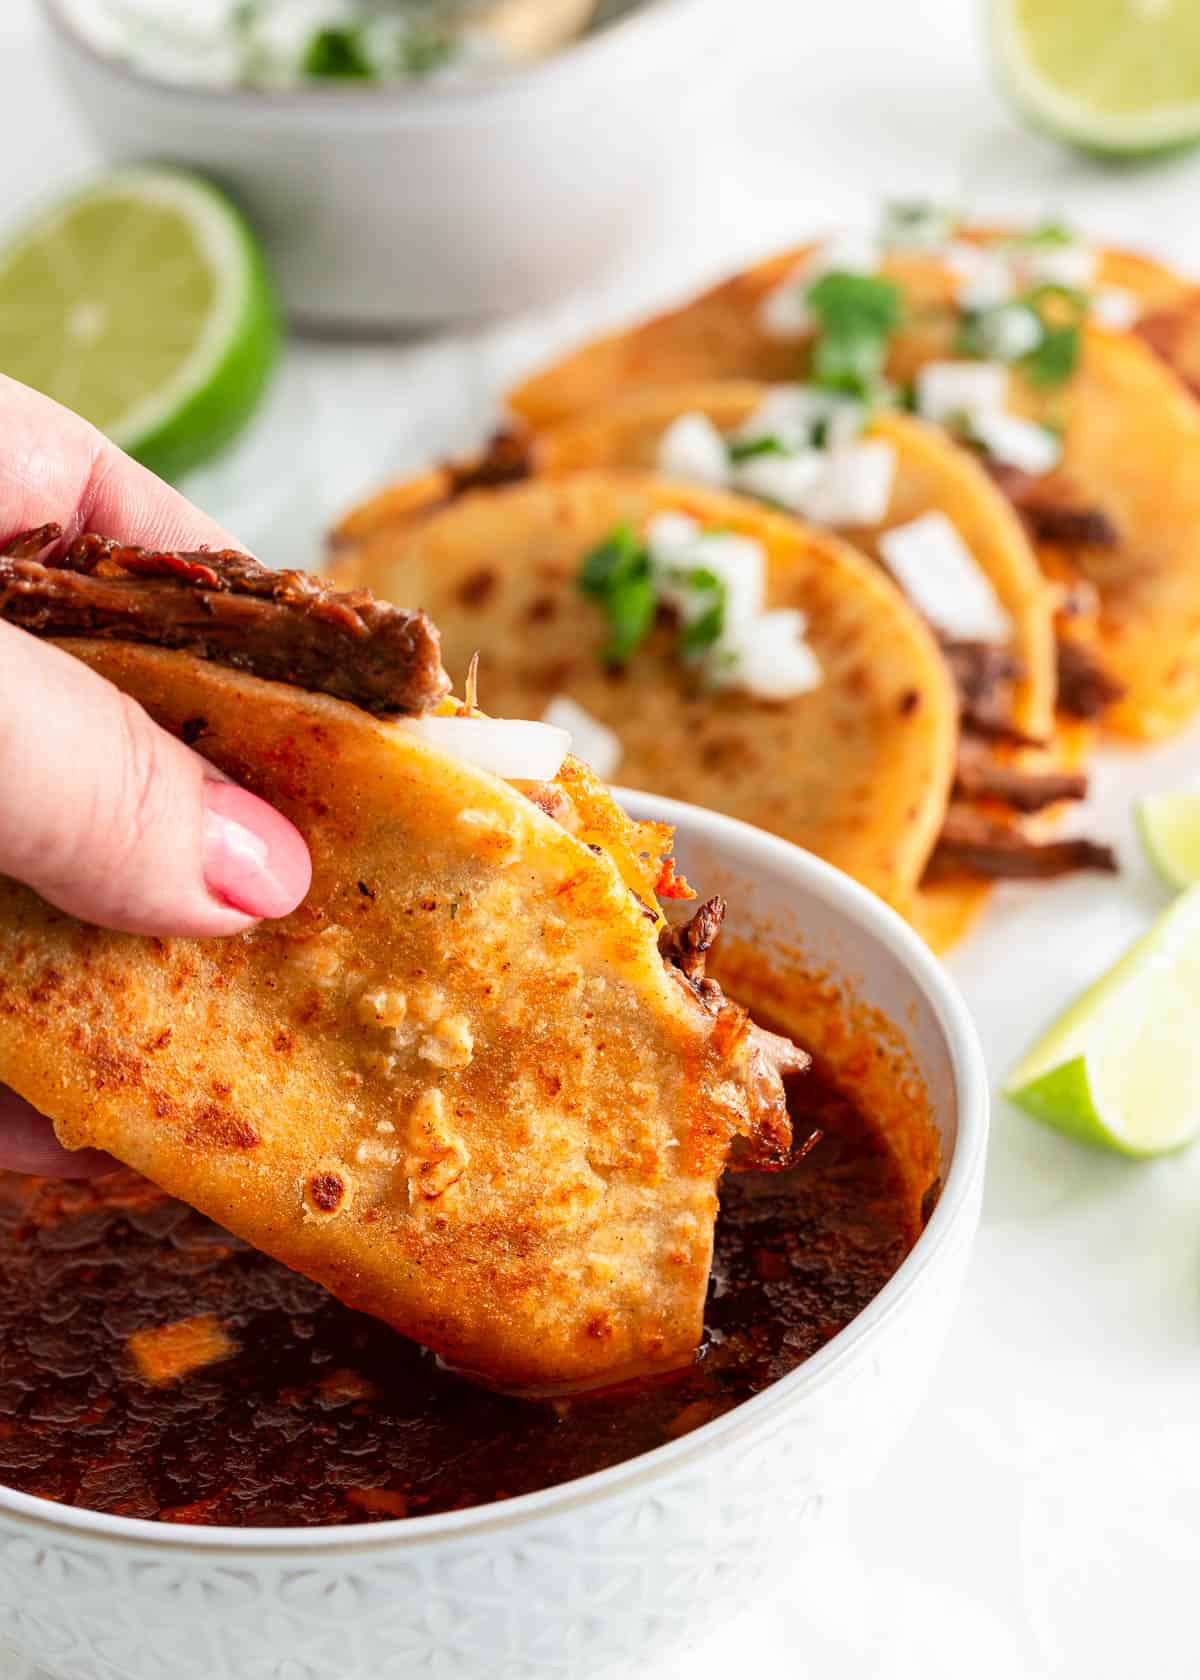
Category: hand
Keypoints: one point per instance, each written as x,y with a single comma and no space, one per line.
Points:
101,811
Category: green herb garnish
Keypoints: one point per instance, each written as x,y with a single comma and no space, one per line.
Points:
1048,233
745,449
702,632
616,575
857,314
1059,312
338,55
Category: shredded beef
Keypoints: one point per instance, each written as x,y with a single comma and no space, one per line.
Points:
979,776
769,1058
972,845
687,944
1049,514
1085,688
984,675
506,460
224,606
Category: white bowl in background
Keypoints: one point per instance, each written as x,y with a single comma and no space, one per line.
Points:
389,207
594,1577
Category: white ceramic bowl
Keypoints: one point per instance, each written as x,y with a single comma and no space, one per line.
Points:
594,1577
389,207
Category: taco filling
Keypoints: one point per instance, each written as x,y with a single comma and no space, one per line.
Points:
475,1085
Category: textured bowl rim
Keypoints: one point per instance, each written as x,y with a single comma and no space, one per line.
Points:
646,28
750,848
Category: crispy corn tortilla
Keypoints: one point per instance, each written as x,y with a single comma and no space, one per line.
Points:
1131,450
932,475
458,1086
858,770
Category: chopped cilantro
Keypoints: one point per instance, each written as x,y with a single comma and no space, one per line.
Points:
1049,233
705,630
745,449
1059,312
337,55
616,574
1055,359
857,314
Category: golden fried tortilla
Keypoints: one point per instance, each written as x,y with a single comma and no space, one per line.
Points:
858,770
459,1085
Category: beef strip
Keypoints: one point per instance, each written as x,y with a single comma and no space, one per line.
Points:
506,460
1050,514
224,606
686,945
984,675
971,845
1085,688
979,776
769,1058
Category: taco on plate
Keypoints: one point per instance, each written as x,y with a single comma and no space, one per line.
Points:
1018,345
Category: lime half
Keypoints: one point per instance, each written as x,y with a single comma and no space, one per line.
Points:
1168,826
1119,77
1121,1068
142,302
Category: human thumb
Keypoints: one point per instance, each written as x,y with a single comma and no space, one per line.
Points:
113,820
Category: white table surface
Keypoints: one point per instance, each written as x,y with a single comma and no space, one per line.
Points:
1042,1519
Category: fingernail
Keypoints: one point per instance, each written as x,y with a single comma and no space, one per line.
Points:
254,860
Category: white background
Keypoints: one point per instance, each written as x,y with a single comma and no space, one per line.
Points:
1042,1519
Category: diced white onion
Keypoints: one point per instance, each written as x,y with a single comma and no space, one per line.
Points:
669,535
790,413
591,740
917,227
784,312
1009,332
947,389
985,276
1073,266
1115,308
693,448
768,657
738,562
939,574
785,480
759,651
516,749
1016,442
855,486
848,252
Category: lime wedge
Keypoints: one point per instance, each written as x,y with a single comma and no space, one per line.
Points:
1118,77
142,302
1168,826
1121,1069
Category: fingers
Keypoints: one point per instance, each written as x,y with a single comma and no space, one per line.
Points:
28,1144
113,820
56,467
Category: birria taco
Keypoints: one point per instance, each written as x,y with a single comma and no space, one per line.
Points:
1018,344
474,1084
704,647
901,491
